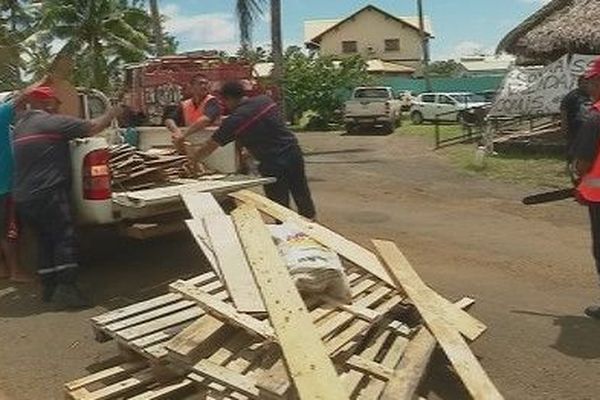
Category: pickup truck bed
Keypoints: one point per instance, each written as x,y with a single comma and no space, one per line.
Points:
151,202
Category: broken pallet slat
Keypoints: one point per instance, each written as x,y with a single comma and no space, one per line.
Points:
191,340
393,355
306,358
225,376
120,388
465,323
233,265
198,231
224,311
409,373
105,374
129,381
464,361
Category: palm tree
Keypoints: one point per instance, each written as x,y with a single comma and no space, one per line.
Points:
16,21
247,11
99,34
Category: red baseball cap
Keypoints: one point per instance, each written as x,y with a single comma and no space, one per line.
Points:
43,93
593,70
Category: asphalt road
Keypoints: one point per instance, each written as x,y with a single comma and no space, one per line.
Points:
529,268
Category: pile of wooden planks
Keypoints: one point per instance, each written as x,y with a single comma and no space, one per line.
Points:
132,169
545,128
243,331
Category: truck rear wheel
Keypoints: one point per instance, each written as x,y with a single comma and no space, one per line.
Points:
388,128
350,129
416,117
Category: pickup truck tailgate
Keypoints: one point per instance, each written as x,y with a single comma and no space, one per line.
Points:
151,202
365,108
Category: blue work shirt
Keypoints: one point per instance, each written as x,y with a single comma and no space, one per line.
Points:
7,113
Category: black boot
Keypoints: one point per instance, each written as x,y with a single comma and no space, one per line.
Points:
67,294
593,312
48,286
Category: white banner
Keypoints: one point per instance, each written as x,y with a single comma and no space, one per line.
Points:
528,91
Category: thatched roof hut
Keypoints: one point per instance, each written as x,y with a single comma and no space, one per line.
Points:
558,28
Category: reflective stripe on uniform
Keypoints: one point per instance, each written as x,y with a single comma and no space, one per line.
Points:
591,182
57,269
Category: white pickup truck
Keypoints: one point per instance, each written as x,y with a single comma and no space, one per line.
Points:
373,107
95,201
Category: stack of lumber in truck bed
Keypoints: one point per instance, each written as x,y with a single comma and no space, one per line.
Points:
243,331
133,169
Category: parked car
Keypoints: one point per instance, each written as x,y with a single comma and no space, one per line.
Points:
446,107
406,98
372,107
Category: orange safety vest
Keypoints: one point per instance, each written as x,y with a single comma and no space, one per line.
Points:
191,113
589,187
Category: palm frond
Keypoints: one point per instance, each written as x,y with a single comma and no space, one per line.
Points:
247,11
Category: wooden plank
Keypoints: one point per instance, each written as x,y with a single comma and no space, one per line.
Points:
391,358
116,389
149,316
165,392
353,378
233,265
321,234
105,374
409,373
465,363
367,260
191,340
306,358
224,354
136,308
198,231
148,305
227,378
370,367
161,323
201,205
224,311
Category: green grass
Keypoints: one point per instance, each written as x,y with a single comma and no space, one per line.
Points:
530,169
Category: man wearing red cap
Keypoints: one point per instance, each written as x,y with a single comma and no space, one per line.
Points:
42,189
586,163
9,231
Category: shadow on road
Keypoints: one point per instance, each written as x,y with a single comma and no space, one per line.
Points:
116,272
346,151
334,161
578,334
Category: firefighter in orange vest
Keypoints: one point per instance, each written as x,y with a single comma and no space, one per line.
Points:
199,111
586,165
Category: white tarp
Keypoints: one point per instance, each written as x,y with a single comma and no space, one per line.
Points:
528,91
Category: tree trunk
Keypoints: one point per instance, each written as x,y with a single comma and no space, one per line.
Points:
157,28
277,50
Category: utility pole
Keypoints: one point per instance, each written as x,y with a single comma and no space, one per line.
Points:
425,46
157,28
277,50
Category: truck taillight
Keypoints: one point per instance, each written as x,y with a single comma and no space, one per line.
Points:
96,175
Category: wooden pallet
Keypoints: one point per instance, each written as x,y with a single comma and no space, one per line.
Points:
256,370
147,327
135,380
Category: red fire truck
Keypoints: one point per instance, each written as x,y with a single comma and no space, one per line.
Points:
162,82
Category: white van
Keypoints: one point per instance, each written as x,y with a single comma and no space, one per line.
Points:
445,107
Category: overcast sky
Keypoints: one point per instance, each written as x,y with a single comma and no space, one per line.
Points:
461,27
